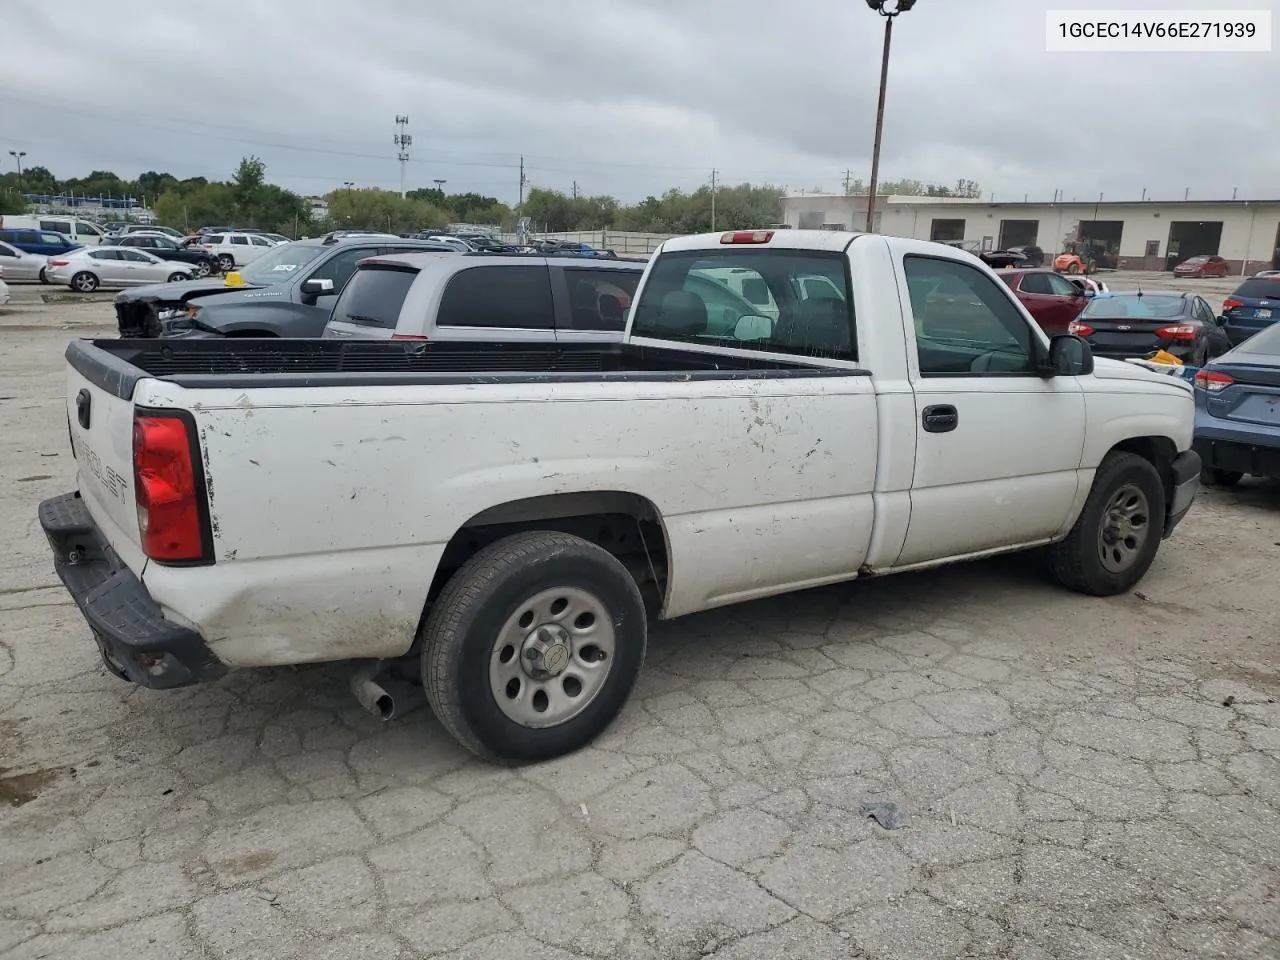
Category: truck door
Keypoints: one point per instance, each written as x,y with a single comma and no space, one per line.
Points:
997,445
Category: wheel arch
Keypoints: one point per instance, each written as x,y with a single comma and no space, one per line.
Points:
1159,451
626,524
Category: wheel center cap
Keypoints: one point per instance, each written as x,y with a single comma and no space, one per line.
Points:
546,652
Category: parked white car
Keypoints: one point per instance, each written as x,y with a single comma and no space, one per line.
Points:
20,265
515,517
235,250
88,269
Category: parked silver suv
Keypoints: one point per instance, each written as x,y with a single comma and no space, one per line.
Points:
488,297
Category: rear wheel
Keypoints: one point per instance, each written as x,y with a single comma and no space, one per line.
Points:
533,646
1073,268
1117,534
203,268
84,282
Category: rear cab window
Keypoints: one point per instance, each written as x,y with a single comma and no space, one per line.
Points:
374,296
507,296
778,301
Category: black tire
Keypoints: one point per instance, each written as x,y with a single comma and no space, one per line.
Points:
461,635
43,278
226,262
1221,478
1073,268
84,282
1077,562
177,277
203,269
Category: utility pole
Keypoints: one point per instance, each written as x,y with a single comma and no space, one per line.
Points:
523,181
848,178
575,190
403,142
714,174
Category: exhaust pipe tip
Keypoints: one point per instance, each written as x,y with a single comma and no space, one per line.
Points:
371,694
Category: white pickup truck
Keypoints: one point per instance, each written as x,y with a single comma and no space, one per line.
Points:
515,515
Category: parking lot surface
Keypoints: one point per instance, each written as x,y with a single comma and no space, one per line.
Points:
1081,778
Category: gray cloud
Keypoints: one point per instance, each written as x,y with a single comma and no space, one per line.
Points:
628,96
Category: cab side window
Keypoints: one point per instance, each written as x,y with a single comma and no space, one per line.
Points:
966,326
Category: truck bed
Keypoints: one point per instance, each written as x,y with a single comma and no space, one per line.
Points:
118,365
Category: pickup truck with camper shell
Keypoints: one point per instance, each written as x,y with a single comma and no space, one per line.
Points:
514,516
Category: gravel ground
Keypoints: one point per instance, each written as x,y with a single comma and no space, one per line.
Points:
1081,777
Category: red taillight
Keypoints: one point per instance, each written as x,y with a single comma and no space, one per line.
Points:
58,263
1178,331
747,236
168,489
407,336
1079,329
1231,303
1211,381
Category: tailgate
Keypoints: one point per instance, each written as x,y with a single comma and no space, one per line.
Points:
101,425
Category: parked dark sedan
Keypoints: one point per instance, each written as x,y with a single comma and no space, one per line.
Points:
1034,255
1238,411
1137,324
166,249
1254,306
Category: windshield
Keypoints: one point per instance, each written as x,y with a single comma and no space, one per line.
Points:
1134,307
1260,287
1197,260
772,300
280,264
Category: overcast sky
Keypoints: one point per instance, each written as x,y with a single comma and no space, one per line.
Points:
629,97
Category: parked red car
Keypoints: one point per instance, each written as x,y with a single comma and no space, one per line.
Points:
1202,266
1051,299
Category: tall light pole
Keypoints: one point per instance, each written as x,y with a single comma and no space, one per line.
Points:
18,155
882,7
440,184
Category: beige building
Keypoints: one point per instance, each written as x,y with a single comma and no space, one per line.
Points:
1150,235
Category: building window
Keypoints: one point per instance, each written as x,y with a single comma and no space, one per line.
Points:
947,231
1153,248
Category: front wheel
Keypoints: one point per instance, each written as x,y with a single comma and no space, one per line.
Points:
43,278
533,646
176,277
1117,534
203,269
1073,268
226,262
84,282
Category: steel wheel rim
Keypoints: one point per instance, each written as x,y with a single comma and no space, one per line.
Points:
552,657
1124,528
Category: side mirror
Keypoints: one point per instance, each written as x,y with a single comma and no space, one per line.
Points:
317,288
1087,293
1069,356
753,327
1220,321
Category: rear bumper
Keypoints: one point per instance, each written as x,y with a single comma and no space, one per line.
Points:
134,639
1186,484
1258,459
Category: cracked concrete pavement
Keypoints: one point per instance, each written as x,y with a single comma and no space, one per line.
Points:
1084,778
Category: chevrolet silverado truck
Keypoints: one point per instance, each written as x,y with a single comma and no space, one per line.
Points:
512,517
